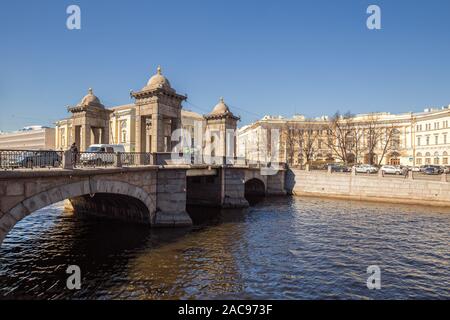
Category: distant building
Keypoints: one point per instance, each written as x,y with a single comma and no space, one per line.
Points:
29,138
414,139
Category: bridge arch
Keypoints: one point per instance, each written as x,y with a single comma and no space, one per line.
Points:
88,187
255,189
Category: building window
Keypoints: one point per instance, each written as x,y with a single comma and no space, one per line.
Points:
123,131
419,161
444,160
428,140
427,160
62,137
418,141
445,139
436,139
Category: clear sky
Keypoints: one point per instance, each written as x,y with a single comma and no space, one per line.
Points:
264,57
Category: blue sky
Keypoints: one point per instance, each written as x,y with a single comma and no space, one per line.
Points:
264,57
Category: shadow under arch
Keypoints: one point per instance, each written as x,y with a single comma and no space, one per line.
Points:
255,190
90,194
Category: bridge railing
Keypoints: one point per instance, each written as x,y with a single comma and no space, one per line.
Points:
93,159
30,159
136,158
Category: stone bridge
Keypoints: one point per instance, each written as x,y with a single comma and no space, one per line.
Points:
152,194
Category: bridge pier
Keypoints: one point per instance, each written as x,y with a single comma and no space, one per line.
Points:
171,199
233,188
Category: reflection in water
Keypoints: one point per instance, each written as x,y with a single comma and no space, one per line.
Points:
292,248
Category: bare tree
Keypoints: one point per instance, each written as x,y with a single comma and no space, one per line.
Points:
290,134
308,141
342,137
388,133
378,137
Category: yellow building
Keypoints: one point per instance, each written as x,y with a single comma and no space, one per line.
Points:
29,138
411,139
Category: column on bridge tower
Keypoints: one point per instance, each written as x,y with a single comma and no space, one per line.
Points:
158,101
140,133
86,137
175,124
157,133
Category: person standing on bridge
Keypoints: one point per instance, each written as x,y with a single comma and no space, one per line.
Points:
74,151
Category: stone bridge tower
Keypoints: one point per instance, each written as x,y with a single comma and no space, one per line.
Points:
90,122
158,114
220,136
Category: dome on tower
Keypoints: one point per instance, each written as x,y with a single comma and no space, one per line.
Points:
90,99
158,81
220,108
221,111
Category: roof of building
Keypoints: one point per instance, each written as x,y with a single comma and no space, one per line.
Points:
122,107
191,114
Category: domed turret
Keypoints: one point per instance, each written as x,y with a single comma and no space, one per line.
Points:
90,100
220,108
158,81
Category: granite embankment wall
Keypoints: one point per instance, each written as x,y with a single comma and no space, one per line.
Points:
368,187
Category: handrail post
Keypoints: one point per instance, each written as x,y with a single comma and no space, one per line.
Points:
118,160
68,160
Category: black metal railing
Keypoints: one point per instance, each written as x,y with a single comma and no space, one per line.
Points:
136,158
15,159
29,159
93,159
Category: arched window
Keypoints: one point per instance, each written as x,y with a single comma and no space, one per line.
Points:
395,139
427,154
418,154
123,131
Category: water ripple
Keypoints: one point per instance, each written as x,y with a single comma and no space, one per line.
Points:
283,248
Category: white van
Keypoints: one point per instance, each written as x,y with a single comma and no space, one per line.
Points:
99,154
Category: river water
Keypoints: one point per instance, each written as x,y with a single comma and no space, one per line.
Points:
281,248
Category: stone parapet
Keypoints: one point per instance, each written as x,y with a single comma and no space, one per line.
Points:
368,187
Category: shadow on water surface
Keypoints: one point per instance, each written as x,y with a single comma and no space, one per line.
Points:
282,247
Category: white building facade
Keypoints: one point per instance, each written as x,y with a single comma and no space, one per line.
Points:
418,138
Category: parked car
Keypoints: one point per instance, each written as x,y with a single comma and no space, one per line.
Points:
386,169
414,169
436,168
36,159
336,167
446,169
365,168
100,154
432,170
